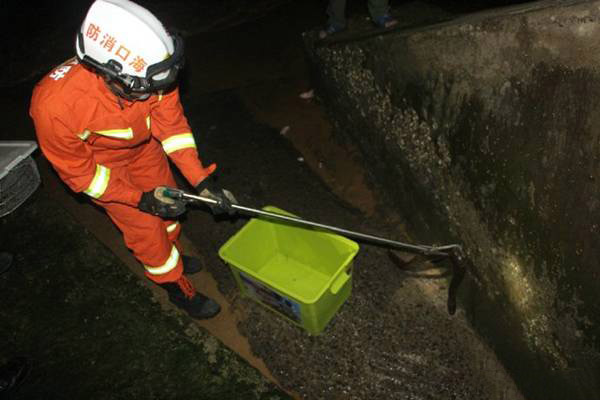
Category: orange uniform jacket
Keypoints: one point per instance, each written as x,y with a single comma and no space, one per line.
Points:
113,150
85,130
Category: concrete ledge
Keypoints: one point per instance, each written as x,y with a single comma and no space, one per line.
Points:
486,130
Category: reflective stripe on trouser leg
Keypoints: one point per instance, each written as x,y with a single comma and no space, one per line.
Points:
147,237
170,276
145,234
167,267
173,228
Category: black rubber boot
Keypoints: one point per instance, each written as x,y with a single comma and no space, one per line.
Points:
184,296
191,265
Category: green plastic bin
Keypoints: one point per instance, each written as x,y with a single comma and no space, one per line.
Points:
302,273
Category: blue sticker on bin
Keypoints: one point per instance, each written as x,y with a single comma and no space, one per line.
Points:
269,297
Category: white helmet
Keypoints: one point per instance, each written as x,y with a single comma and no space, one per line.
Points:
127,44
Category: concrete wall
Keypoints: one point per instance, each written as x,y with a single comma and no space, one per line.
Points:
486,131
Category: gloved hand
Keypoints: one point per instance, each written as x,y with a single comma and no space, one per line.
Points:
225,199
154,202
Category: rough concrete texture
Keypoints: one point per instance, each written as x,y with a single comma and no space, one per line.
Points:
486,131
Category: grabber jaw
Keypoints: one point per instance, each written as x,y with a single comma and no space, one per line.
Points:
453,254
456,256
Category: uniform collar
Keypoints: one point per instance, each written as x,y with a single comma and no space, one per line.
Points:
111,97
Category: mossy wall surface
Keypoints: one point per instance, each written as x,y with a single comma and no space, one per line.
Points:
486,131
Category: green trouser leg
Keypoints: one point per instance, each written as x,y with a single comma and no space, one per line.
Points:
337,13
378,8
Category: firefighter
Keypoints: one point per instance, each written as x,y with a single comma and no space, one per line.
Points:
108,119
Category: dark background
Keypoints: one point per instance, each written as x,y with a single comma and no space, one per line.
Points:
38,35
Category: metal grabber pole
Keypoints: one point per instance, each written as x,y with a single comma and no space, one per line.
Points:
452,252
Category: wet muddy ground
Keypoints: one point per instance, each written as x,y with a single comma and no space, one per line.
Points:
393,338
91,329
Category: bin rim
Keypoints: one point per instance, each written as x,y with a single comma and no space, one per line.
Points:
353,247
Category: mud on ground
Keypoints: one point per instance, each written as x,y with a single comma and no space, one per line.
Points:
91,329
392,339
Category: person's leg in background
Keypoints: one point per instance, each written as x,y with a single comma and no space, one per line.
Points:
380,13
336,10
337,13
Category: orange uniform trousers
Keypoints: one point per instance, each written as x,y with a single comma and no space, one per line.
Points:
152,240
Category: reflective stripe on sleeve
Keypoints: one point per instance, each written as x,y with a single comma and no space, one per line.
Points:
126,134
171,228
178,142
99,183
148,122
167,266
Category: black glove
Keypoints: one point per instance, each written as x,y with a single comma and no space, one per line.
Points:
154,202
208,188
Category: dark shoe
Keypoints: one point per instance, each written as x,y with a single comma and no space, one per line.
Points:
183,294
191,265
330,30
386,21
12,375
